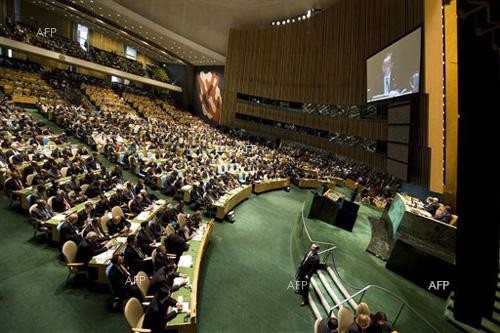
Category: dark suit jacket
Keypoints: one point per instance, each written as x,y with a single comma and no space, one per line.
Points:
119,281
160,280
176,244
113,229
309,266
145,238
133,259
68,232
88,249
58,204
137,207
156,316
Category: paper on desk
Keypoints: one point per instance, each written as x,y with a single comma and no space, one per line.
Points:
186,261
104,257
178,280
134,227
185,307
143,216
59,217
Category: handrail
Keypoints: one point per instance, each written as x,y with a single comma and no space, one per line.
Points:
332,246
403,304
362,291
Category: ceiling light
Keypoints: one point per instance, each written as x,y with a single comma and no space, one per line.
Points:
278,23
309,13
283,22
304,17
273,23
293,20
288,21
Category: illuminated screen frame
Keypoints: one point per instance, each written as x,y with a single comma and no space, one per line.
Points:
420,84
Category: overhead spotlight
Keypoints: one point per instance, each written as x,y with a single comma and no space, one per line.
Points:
283,22
300,18
304,17
273,23
293,20
278,23
288,21
309,13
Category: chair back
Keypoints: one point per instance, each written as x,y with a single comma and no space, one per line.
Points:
454,219
316,325
49,202
181,219
104,219
134,313
32,207
29,179
142,281
84,188
153,256
130,205
117,211
64,171
345,318
69,251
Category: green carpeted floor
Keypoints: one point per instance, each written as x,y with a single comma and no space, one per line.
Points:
244,281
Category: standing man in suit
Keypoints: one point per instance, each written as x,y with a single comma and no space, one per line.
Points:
307,268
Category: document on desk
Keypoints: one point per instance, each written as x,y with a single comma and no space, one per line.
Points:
185,307
143,216
104,257
59,217
179,280
186,261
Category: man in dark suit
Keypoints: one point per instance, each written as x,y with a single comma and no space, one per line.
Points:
120,279
138,205
156,316
87,213
89,248
69,231
61,202
118,225
135,258
40,214
74,169
176,244
146,238
164,278
307,268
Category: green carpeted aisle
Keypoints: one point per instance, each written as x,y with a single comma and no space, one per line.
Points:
248,268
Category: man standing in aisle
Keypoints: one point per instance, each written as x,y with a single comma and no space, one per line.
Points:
307,268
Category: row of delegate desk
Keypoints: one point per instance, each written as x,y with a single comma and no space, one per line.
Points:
234,197
190,263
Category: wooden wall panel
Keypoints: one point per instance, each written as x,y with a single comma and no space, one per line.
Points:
369,129
372,159
320,60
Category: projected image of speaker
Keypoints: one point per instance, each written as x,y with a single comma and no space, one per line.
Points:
347,215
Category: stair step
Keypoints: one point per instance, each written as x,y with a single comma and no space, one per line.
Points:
489,326
320,294
314,307
341,287
495,318
328,287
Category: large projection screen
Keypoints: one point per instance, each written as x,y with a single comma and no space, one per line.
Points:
395,71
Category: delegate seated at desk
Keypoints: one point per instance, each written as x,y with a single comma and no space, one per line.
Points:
157,315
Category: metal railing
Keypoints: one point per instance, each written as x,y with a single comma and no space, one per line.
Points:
323,253
362,291
403,304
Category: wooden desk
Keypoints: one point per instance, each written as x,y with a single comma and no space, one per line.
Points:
186,190
186,322
26,192
102,261
230,200
310,183
59,218
271,184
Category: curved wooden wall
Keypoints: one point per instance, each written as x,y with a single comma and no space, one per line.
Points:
372,159
320,60
369,129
